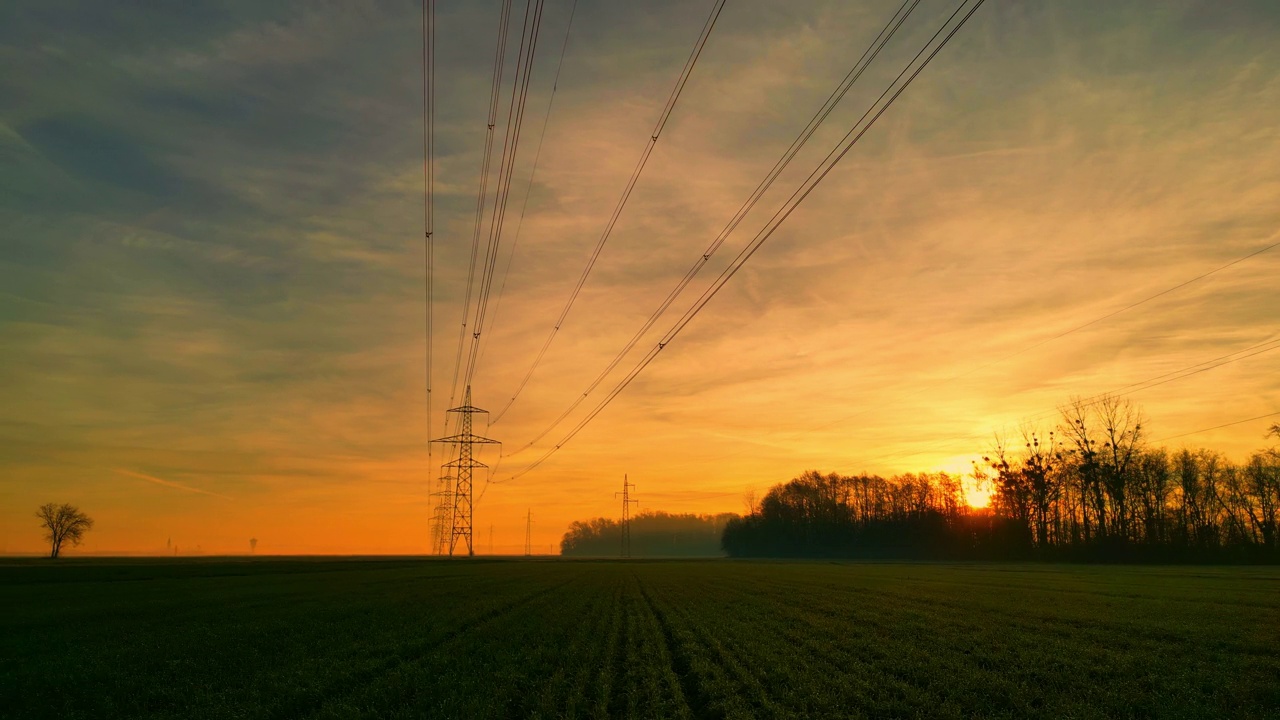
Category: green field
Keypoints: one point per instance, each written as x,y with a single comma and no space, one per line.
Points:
469,639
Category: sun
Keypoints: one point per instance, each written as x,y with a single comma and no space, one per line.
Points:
976,494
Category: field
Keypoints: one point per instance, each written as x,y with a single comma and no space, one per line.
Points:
550,639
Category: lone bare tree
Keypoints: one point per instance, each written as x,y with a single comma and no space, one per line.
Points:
63,523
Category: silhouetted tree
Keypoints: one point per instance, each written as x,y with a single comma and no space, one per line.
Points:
1154,486
1089,490
63,524
816,515
653,534
1262,488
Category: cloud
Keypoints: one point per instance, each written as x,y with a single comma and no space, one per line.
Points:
213,263
170,484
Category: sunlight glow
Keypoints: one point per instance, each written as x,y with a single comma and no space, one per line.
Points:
977,496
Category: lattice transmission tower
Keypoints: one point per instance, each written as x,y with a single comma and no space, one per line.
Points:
442,518
463,470
528,532
627,502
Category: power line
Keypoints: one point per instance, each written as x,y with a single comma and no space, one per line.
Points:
953,378
1131,388
1128,307
537,155
868,55
428,196
1185,372
1218,427
667,109
506,168
498,60
1189,372
812,181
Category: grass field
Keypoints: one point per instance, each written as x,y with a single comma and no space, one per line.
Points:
472,639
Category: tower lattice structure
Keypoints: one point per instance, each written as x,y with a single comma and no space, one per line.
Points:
528,533
627,502
463,470
442,517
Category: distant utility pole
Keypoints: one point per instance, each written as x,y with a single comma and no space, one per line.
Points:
463,469
528,533
491,539
626,515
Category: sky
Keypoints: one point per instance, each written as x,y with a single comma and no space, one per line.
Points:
212,298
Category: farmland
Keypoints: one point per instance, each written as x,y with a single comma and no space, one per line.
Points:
282,638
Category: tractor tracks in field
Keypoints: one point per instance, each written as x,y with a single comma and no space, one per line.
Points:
695,697
619,635
310,705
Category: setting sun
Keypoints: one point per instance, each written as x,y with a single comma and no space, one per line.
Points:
977,495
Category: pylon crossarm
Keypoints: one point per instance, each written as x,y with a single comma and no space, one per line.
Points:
467,438
468,463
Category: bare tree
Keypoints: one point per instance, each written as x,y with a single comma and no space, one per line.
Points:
1121,422
63,524
1042,477
1077,428
1012,495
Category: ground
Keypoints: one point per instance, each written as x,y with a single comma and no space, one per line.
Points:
286,638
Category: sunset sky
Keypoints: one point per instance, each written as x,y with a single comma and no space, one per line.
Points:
211,253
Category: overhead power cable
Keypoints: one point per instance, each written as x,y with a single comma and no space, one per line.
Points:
1122,391
1126,308
499,57
1237,356
1158,440
859,67
537,156
428,195
929,386
859,129
1135,387
506,169
1234,356
667,109
1219,427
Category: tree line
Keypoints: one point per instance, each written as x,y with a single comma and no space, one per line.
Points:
653,534
1090,488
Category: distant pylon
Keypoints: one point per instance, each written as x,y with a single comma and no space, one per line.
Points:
442,519
463,468
626,515
528,533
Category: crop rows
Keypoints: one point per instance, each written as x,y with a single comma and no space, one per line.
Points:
338,639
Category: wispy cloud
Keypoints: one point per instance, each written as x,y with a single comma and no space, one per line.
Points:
171,484
212,252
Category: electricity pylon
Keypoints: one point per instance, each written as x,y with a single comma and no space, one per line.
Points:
463,469
626,515
528,533
442,519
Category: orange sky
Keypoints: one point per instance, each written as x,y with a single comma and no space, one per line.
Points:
211,284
